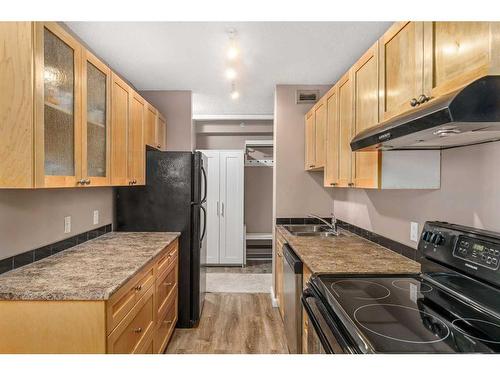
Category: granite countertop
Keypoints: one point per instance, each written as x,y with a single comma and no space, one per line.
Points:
347,253
93,270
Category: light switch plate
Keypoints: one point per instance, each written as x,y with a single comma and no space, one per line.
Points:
67,224
96,217
414,231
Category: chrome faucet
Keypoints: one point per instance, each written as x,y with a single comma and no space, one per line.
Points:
332,225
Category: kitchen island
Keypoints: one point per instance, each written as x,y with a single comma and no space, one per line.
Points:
114,294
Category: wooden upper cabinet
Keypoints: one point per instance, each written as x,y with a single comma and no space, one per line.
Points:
401,59
96,124
310,134
150,126
345,119
320,133
58,135
332,138
136,148
16,105
120,114
366,88
161,131
456,53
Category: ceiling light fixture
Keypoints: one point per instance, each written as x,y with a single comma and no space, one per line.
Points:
232,52
234,93
230,74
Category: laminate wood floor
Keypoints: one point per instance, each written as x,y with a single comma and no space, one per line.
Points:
253,266
233,323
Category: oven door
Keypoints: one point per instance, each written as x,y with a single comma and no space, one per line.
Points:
324,337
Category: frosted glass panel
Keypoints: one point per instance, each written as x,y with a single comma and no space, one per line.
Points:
59,97
96,122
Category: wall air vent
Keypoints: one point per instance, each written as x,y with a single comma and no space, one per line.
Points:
307,96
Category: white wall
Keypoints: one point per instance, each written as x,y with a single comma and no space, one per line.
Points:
469,195
34,218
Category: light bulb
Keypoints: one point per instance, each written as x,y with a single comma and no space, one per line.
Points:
232,53
235,95
230,73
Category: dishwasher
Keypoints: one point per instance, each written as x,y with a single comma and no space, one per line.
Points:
292,292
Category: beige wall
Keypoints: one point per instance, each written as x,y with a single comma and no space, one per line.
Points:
176,106
258,180
469,195
34,218
297,192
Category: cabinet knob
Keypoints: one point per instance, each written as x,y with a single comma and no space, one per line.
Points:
87,181
138,288
311,166
138,330
414,102
350,184
80,182
333,184
159,146
423,99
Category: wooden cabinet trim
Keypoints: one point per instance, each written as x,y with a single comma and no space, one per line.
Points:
331,175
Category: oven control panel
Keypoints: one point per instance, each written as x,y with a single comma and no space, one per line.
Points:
478,252
472,251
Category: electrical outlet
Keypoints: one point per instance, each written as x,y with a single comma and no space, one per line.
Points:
96,217
67,224
414,231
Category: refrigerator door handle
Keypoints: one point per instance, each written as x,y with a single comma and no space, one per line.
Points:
204,173
217,208
204,223
222,209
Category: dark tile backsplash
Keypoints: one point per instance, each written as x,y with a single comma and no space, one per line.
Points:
31,256
395,246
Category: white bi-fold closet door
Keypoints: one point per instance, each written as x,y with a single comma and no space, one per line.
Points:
225,206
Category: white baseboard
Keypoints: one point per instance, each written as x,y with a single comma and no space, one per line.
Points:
274,300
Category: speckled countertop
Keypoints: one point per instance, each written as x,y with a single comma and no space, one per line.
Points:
93,270
347,253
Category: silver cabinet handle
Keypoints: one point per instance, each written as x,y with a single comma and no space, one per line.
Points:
217,208
80,182
351,184
414,102
423,99
138,330
333,184
138,288
222,209
87,181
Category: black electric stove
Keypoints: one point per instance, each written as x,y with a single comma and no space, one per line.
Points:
452,307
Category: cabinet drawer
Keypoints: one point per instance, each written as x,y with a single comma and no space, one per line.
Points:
147,348
127,296
166,284
166,324
135,329
168,258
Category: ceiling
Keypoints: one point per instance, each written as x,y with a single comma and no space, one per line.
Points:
192,56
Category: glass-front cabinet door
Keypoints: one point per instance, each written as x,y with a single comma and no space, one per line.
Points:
58,106
95,121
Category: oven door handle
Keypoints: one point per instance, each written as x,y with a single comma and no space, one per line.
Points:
313,313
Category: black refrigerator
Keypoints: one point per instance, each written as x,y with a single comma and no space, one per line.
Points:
173,200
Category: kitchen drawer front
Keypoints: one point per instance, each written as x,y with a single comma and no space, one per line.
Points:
136,329
166,324
126,297
168,258
166,285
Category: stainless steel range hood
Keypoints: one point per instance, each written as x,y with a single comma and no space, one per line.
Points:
468,116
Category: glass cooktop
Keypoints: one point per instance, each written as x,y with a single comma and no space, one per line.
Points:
405,314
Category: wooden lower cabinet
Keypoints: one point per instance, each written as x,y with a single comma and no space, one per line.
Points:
139,318
278,263
306,275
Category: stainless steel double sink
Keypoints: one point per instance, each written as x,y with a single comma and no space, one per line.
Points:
310,230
